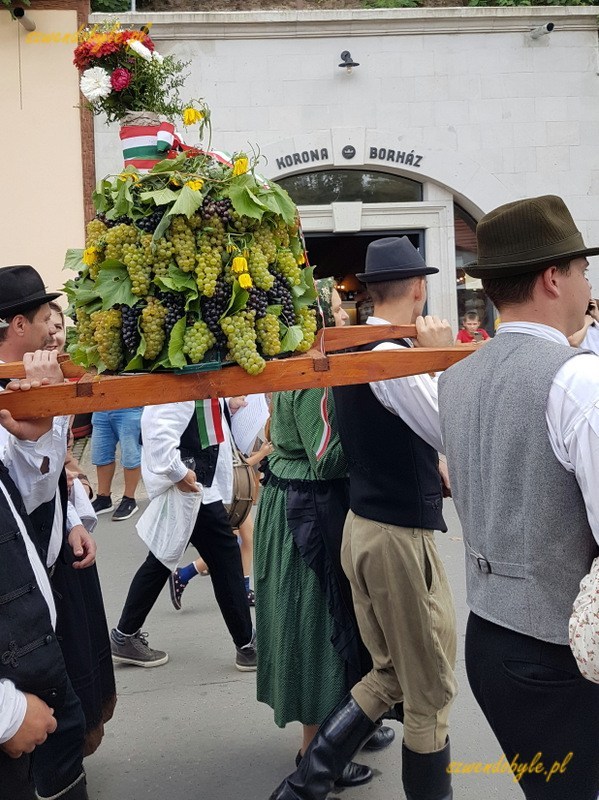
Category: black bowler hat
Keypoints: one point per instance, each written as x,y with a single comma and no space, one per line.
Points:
21,289
393,259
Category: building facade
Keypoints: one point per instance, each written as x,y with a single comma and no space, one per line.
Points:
445,114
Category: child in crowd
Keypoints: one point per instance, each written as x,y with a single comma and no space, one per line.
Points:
471,331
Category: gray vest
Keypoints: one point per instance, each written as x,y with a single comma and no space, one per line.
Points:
526,532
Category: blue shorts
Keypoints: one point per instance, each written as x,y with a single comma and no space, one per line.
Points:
110,427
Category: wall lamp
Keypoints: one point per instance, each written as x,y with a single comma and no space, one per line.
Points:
542,30
347,61
21,17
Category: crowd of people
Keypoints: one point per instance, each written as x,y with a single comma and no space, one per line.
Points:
354,615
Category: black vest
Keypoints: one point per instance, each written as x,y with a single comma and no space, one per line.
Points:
205,459
30,655
394,474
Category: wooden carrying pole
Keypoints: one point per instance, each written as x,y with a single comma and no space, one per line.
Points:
320,367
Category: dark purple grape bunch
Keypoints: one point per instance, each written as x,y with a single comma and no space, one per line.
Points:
214,307
280,294
221,208
149,223
258,302
130,328
174,302
112,223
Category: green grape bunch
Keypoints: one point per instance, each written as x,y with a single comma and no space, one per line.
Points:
152,324
85,328
115,238
209,264
241,341
288,266
138,260
264,236
163,253
267,333
107,337
183,240
306,319
95,231
198,339
258,268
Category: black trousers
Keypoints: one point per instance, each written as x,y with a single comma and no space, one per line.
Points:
215,541
537,702
53,765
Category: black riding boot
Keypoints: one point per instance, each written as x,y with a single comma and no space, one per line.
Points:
76,791
338,739
425,775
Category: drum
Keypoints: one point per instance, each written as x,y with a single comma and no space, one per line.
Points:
244,489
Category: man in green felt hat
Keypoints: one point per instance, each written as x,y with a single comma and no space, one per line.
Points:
523,456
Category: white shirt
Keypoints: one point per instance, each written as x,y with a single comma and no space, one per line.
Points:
414,398
572,415
591,340
162,427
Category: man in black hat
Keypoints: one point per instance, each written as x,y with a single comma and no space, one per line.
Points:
58,765
523,455
390,433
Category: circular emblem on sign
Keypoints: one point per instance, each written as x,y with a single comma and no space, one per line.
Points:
349,151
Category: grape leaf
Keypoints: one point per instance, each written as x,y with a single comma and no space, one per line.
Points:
114,285
136,364
175,344
177,281
188,202
123,201
74,259
305,294
239,298
292,339
168,165
101,196
160,197
244,200
161,228
276,310
287,208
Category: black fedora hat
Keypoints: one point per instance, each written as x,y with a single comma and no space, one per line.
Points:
393,259
21,289
523,236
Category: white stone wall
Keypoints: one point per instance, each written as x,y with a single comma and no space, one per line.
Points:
494,114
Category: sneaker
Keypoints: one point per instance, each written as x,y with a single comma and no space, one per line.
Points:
135,650
127,508
102,504
245,660
177,587
251,598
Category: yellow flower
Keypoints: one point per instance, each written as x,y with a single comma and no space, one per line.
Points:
239,264
191,116
301,259
245,280
90,256
195,185
240,166
124,176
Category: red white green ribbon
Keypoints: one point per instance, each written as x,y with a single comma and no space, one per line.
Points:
324,426
210,426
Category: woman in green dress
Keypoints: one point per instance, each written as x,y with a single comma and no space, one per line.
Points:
310,652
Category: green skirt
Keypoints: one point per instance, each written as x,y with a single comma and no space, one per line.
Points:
300,675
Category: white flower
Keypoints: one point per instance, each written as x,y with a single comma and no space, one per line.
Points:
95,84
157,57
140,49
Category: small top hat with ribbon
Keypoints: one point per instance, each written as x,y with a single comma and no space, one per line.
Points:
22,289
524,236
393,258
